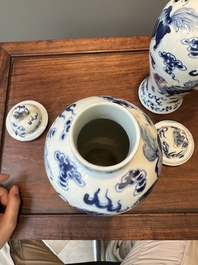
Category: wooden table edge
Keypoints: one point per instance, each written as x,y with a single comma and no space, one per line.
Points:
86,227
71,46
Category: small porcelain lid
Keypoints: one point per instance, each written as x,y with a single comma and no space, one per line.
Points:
27,120
177,142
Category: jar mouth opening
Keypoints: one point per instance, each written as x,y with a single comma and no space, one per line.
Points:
104,136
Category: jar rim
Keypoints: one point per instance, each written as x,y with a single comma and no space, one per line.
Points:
114,112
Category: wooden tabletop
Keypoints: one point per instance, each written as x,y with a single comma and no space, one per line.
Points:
56,74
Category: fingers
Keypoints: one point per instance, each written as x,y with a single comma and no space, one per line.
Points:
9,219
3,196
4,177
3,191
12,209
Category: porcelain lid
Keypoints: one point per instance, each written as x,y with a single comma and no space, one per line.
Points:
27,120
177,142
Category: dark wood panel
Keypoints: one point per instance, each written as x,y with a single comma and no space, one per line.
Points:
137,226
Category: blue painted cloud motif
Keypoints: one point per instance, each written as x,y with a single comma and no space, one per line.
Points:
192,46
182,19
102,205
171,63
133,177
67,171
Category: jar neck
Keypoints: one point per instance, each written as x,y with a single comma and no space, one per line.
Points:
104,136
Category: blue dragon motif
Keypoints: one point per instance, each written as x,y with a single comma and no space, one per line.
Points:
183,18
169,91
152,148
67,171
133,177
95,201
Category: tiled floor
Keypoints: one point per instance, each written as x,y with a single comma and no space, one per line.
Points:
74,251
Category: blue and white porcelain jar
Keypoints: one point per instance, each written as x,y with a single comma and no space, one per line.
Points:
173,58
103,155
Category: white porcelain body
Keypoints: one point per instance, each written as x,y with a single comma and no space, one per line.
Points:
173,58
103,190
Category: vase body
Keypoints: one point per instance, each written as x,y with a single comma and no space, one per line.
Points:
103,155
173,56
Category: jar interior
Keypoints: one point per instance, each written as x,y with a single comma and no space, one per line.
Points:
103,142
104,136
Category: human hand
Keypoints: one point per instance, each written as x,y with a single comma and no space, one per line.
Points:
8,219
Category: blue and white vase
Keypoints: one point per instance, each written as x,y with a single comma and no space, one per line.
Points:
173,58
103,155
